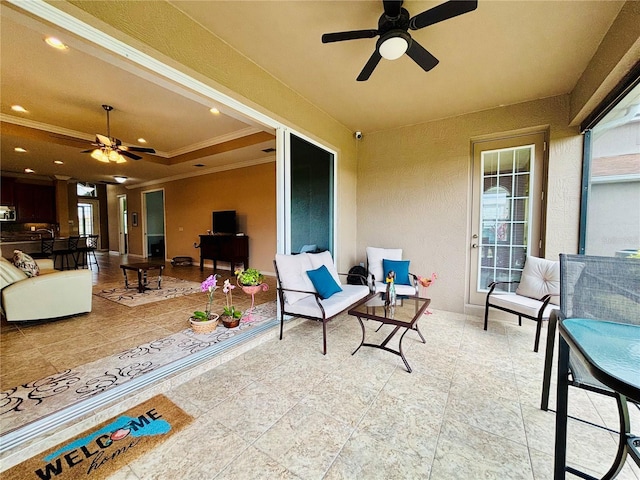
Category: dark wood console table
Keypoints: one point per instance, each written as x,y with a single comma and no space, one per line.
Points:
225,248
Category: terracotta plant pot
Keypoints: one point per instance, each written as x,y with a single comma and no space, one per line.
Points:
207,326
230,322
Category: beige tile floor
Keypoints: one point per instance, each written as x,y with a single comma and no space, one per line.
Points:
32,350
469,410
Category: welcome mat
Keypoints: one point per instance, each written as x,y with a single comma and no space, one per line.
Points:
99,452
171,288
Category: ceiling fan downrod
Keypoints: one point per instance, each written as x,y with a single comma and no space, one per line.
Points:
108,108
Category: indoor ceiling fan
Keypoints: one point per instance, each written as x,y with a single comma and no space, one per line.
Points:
393,28
110,149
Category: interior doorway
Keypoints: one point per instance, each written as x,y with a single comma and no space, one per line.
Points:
153,226
89,218
507,212
123,227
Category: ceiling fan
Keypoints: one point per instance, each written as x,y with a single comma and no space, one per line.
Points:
110,149
393,28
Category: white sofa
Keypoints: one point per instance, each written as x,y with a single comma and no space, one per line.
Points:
51,294
298,296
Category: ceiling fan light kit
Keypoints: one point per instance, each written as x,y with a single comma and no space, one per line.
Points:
393,28
107,155
110,149
394,44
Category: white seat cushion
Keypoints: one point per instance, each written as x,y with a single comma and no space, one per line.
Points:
519,303
332,305
375,255
400,289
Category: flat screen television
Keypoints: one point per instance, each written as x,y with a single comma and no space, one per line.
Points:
224,223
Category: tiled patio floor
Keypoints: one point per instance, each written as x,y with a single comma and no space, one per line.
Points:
469,410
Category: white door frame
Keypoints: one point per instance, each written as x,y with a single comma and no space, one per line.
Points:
122,225
536,208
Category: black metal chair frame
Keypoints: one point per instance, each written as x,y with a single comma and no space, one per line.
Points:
539,318
65,253
46,248
324,319
87,251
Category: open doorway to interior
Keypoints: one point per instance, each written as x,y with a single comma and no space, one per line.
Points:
123,227
89,218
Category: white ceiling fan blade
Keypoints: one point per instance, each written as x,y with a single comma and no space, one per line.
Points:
106,141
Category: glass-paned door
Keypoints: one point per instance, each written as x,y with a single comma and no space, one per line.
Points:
507,211
505,214
85,219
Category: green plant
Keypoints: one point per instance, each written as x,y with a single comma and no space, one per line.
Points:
232,312
250,276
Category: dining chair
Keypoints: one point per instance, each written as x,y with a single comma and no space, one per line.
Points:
71,250
87,252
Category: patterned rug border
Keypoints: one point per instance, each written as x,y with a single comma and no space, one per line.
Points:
30,401
171,287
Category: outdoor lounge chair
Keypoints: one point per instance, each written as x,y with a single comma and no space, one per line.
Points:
535,298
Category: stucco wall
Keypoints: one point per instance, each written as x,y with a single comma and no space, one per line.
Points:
414,190
189,202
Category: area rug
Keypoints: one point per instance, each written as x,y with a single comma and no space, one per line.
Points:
171,288
33,400
101,451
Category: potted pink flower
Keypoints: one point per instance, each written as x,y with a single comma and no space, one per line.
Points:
206,322
230,316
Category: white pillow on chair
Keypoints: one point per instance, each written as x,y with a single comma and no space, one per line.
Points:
375,256
540,277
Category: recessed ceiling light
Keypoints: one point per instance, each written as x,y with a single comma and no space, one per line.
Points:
55,43
58,162
214,110
18,108
28,170
120,179
142,140
19,150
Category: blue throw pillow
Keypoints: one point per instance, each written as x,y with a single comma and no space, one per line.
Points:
323,282
401,267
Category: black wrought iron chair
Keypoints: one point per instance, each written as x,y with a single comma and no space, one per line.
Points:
599,288
46,248
534,298
71,251
87,251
